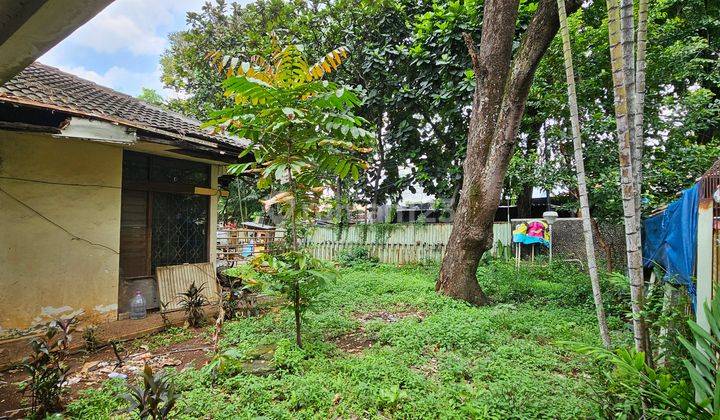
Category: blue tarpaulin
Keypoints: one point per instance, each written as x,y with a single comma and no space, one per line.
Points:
670,240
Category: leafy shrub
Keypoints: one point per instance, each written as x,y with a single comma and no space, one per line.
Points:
390,399
627,382
89,335
99,403
192,302
288,356
356,255
702,366
631,388
155,399
47,369
666,308
163,314
238,300
226,362
296,276
562,284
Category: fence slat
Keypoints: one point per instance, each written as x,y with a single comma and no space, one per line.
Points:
404,243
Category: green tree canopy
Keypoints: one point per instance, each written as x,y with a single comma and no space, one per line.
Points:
409,59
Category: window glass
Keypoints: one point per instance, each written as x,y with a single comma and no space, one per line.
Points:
179,229
173,171
141,168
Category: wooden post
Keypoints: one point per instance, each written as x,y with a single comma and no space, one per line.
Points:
704,260
532,253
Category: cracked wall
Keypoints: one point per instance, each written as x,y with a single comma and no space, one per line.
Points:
58,243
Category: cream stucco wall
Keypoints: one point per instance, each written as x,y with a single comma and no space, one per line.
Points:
68,263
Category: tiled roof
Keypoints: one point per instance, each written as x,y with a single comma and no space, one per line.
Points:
47,87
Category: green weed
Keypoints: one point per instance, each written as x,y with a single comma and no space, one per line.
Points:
431,356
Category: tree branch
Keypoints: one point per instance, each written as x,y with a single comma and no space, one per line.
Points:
493,59
538,36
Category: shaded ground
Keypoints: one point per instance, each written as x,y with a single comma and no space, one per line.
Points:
388,316
354,342
177,347
12,351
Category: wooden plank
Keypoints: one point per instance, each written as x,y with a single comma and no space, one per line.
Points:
176,279
210,192
134,227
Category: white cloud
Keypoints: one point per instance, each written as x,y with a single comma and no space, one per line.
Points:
109,34
138,26
126,31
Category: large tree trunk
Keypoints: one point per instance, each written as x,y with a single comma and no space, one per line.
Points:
499,101
627,179
524,202
582,183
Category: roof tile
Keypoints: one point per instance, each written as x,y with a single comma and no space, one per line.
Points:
47,86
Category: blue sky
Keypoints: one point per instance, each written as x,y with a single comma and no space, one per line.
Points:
120,47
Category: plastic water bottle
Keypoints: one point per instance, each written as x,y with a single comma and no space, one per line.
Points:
138,310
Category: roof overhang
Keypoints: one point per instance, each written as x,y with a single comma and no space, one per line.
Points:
29,28
69,125
151,133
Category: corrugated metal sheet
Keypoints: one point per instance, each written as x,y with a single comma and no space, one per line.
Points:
175,279
403,244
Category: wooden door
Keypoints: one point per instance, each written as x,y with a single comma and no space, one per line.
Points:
134,235
135,249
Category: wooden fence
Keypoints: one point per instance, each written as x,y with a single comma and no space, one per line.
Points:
394,243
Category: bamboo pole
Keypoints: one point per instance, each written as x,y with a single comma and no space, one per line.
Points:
582,182
625,150
639,114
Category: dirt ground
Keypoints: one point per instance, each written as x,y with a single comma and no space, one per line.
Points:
91,370
357,341
189,346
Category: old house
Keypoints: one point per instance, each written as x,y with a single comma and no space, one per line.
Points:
97,190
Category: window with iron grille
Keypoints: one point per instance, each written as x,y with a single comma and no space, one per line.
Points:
174,229
179,229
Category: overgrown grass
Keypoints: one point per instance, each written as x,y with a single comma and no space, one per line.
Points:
439,358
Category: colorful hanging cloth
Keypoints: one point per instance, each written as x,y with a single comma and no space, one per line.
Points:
532,232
